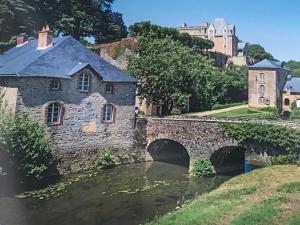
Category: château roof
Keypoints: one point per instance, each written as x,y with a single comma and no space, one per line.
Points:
66,57
269,64
292,84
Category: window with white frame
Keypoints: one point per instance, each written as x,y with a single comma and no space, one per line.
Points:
84,82
261,90
54,113
261,100
55,85
109,88
261,77
108,113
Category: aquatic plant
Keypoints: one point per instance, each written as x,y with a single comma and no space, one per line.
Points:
106,160
202,167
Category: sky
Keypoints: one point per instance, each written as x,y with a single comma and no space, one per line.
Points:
274,24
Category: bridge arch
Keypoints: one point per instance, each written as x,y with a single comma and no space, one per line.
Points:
169,151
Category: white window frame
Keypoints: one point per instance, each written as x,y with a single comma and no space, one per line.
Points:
106,113
261,90
261,100
53,86
51,109
83,87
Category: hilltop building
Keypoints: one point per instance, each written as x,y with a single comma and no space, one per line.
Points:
270,84
225,40
85,103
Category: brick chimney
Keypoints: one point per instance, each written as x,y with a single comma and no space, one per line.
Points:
21,40
45,38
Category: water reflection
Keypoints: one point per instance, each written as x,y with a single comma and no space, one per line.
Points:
125,195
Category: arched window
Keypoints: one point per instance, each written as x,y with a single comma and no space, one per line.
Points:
262,76
108,113
261,90
55,85
261,100
54,113
286,101
109,88
84,82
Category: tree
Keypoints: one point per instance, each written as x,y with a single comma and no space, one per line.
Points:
146,29
169,73
79,18
294,66
257,53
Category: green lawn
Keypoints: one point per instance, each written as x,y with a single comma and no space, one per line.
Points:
267,196
260,113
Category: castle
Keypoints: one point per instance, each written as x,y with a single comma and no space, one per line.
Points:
224,37
272,85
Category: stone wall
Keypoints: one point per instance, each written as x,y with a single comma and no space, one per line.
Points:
77,142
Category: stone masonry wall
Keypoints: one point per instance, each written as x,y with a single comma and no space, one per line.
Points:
76,143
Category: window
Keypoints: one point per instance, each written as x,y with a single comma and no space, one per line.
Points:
108,111
54,113
261,76
84,82
261,100
2,83
286,101
262,90
55,85
109,88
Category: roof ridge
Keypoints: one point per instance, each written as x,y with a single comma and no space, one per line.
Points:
47,51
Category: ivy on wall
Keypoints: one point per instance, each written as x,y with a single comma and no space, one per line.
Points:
280,137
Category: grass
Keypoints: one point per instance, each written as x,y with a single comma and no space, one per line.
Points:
259,113
226,105
248,199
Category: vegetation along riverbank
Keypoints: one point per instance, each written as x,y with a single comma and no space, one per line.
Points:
263,197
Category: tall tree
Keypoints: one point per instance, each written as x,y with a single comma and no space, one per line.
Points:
170,73
257,53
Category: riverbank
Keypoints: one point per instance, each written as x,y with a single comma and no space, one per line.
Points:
266,196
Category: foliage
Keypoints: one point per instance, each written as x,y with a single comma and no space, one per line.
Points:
257,53
255,113
294,66
79,18
106,160
119,50
295,219
295,114
226,105
146,29
289,187
282,138
231,84
25,143
202,167
284,159
170,73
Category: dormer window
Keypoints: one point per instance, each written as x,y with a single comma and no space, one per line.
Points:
84,82
109,88
55,85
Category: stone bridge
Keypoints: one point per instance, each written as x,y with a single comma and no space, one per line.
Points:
197,136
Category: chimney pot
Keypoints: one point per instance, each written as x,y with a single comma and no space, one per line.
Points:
45,38
21,39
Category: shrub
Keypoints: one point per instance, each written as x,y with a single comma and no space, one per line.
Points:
106,160
284,160
25,146
202,167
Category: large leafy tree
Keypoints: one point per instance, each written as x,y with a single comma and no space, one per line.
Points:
147,29
257,53
79,18
294,66
170,73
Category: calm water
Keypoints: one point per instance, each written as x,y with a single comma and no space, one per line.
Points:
126,195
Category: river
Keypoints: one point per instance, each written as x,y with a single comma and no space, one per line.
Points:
127,195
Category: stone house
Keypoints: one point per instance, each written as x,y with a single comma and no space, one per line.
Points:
85,103
224,37
270,84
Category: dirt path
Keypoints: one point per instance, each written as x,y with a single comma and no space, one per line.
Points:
207,113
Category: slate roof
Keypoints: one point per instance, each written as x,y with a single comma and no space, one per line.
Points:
220,24
66,57
293,84
266,63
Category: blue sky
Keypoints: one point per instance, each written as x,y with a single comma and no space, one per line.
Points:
275,24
